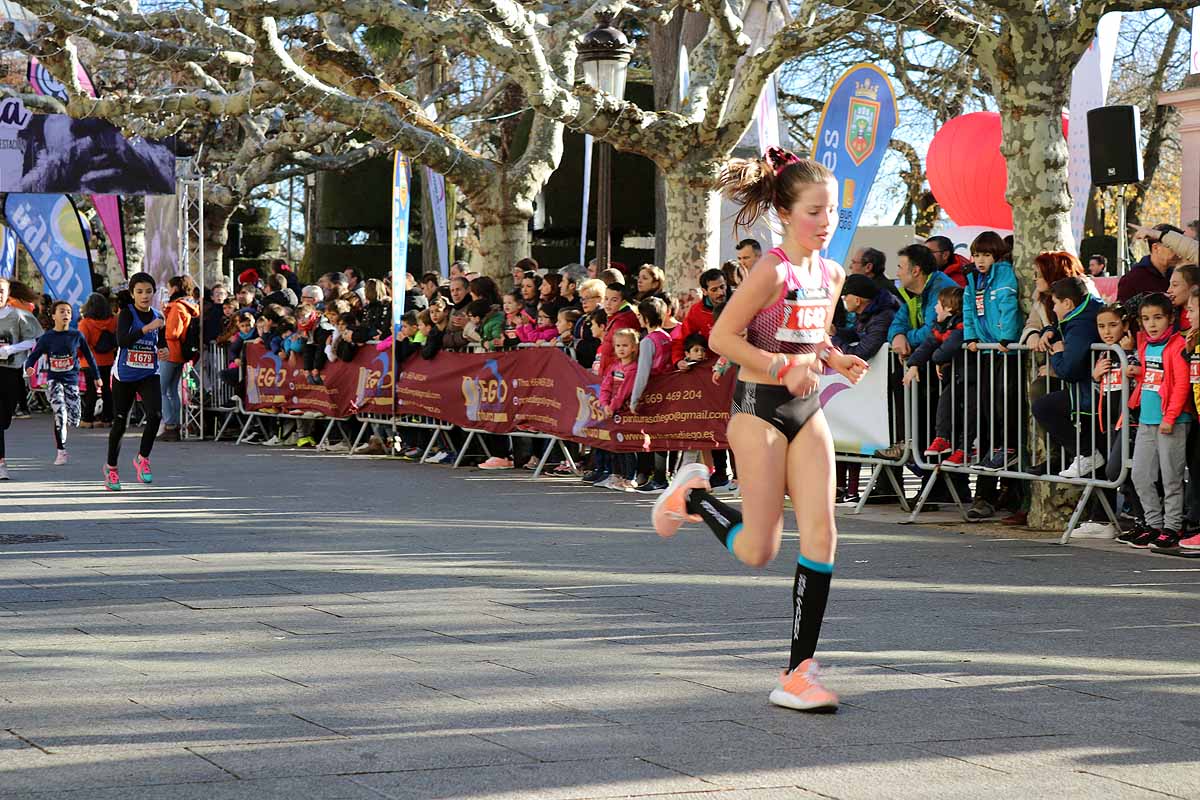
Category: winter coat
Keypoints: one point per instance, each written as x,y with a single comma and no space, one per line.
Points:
1077,332
991,306
869,332
902,322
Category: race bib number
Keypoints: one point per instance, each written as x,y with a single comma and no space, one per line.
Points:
1111,382
62,363
618,376
979,297
803,321
1194,370
1153,379
139,359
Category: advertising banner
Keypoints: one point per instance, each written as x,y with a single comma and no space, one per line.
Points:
49,227
852,138
435,184
858,415
363,385
108,207
401,203
56,154
1089,89
162,243
8,252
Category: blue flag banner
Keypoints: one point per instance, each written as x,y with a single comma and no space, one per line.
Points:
852,138
401,202
49,227
8,252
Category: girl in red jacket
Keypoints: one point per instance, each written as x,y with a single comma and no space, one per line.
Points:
1164,398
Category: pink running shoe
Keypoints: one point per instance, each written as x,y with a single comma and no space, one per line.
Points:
670,509
60,458
801,689
112,481
1190,543
141,465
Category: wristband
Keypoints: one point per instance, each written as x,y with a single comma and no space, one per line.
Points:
783,371
778,362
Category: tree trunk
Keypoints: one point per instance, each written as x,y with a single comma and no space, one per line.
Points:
133,212
503,233
216,235
693,228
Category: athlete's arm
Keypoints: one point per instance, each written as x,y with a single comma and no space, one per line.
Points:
761,288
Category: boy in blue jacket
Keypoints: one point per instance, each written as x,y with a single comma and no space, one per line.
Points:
992,315
1071,359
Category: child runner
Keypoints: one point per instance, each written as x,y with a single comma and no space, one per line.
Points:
776,429
141,342
62,347
18,332
1164,398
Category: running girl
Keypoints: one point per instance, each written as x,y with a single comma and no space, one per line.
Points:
18,332
61,347
141,342
776,429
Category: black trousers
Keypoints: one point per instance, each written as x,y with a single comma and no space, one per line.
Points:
124,393
12,392
87,413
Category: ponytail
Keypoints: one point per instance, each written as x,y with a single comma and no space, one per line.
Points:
772,181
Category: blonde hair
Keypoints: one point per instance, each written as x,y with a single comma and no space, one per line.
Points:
591,286
774,181
628,333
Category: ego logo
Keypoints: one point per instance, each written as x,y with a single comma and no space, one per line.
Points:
484,394
266,378
587,410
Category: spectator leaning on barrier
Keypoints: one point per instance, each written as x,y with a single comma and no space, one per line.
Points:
954,265
1069,344
942,348
874,310
1153,273
920,283
1050,268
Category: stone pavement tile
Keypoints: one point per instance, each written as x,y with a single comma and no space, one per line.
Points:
445,715
1129,758
366,754
32,770
600,778
647,740
308,788
146,731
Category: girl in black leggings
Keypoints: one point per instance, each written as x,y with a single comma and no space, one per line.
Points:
141,342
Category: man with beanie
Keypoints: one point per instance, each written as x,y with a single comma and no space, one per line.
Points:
873,310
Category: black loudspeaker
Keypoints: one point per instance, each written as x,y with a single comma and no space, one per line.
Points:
1114,134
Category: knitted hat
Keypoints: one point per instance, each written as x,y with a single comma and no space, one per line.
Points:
860,286
248,276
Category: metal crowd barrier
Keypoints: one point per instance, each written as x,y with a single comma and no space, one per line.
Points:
992,423
887,467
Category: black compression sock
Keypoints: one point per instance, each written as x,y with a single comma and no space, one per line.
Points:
810,591
724,520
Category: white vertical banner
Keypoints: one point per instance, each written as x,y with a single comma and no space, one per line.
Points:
1089,89
587,190
683,77
766,120
435,184
1195,40
857,415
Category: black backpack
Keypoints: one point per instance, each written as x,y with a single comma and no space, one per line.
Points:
106,342
190,343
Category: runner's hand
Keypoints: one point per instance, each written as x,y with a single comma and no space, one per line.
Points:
852,368
801,381
99,384
30,372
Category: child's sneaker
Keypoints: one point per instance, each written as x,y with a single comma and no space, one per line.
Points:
306,441
670,509
141,466
1190,543
1143,539
801,689
957,457
112,481
938,446
1166,542
1139,527
60,458
495,462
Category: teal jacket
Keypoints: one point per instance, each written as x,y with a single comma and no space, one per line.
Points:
926,315
991,306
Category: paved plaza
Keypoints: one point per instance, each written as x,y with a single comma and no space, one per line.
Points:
271,624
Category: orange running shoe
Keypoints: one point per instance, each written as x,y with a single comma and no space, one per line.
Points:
801,689
670,510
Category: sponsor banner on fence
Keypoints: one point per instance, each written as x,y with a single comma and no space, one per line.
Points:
56,154
543,390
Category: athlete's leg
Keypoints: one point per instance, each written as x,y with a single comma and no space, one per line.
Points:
59,415
123,394
151,392
761,452
810,474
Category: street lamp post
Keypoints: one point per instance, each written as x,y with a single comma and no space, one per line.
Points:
604,58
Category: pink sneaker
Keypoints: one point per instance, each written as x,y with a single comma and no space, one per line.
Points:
495,462
61,458
112,481
801,689
141,465
1190,543
670,509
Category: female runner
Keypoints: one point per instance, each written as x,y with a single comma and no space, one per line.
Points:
776,428
141,342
